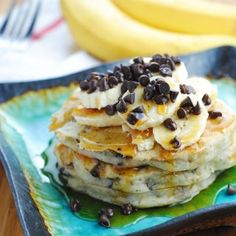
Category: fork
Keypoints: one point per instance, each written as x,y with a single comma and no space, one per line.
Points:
18,25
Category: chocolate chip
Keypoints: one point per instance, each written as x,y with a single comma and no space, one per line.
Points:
92,86
156,58
121,106
112,81
149,92
196,109
124,87
74,205
175,143
186,89
128,209
110,110
132,85
206,99
170,124
214,114
154,67
161,99
84,85
176,60
138,60
181,113
171,63
163,88
139,109
173,95
132,119
186,102
165,70
126,72
119,76
103,85
116,68
231,190
104,221
137,70
95,171
144,80
130,98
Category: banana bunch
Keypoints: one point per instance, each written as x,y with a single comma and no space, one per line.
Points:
103,27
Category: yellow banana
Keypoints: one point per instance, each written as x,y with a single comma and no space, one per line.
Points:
187,16
106,32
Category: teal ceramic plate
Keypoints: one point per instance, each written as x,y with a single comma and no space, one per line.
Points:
25,112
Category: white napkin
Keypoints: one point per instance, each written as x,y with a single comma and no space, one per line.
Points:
52,55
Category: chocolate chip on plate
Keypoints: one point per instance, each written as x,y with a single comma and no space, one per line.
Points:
214,114
206,99
173,95
176,60
112,81
104,221
74,205
186,89
119,76
126,72
110,110
92,86
84,85
131,118
137,70
132,85
165,70
149,92
103,85
161,99
138,60
121,106
154,67
139,109
144,80
231,190
163,88
171,63
181,113
175,143
196,109
124,87
186,102
130,98
170,124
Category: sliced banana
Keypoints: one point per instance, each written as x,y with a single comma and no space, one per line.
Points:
98,99
153,114
188,131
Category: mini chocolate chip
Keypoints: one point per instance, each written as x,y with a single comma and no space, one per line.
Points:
181,113
186,102
175,143
163,88
104,221
132,119
95,171
231,190
206,99
130,98
173,95
170,124
92,86
121,106
187,89
176,60
137,70
149,92
119,76
144,80
165,70
171,63
132,85
110,110
116,68
127,209
124,87
154,67
84,85
103,85
139,109
126,72
74,205
196,109
138,60
161,99
214,114
112,81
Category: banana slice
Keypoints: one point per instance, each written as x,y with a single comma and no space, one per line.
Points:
153,114
98,99
188,131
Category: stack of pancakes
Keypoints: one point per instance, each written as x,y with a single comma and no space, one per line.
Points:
118,150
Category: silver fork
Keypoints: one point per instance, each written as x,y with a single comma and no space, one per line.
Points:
18,25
